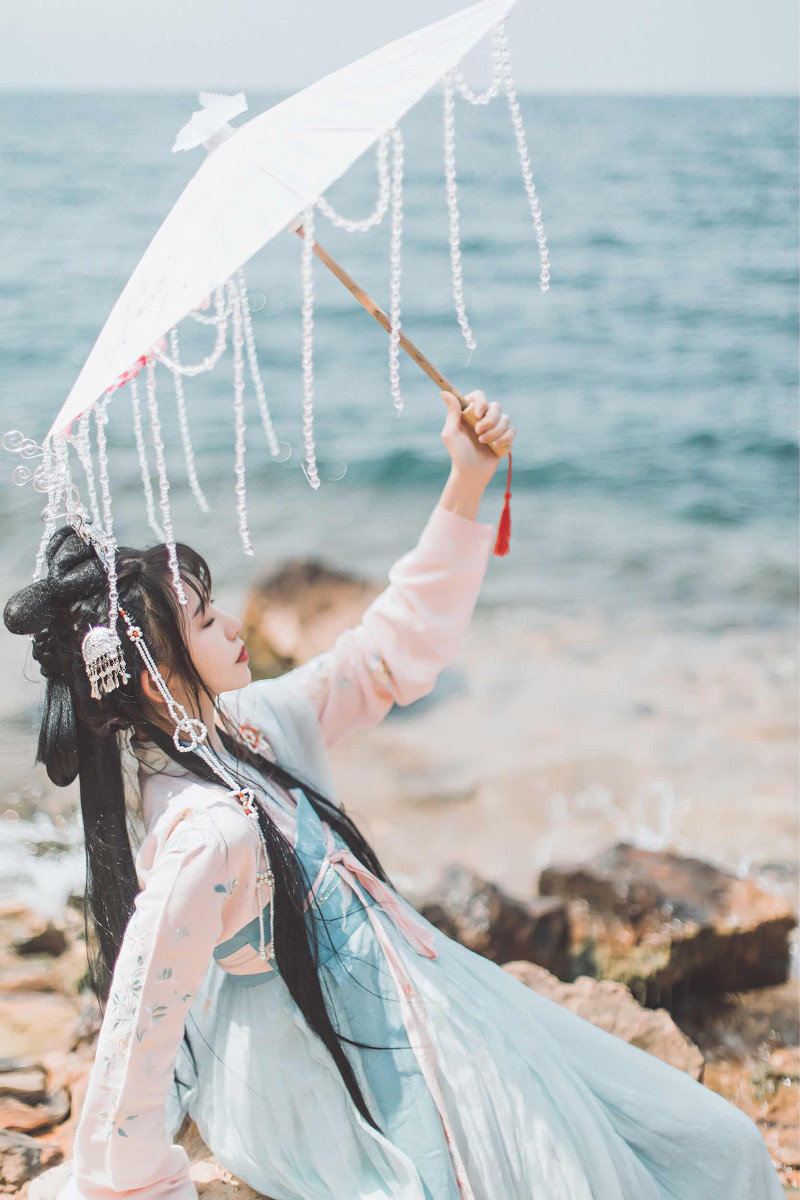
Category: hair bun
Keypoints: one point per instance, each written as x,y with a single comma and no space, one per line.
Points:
30,609
56,542
75,571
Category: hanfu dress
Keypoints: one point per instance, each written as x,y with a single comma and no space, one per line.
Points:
481,1088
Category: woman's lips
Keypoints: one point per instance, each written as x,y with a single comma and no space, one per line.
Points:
243,655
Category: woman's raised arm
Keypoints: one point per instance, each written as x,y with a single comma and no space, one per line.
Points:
407,634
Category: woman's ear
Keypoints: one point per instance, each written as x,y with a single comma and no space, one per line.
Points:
148,684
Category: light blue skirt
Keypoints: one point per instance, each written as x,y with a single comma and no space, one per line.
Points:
540,1103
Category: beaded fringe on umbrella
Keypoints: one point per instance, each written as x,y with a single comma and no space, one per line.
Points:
228,315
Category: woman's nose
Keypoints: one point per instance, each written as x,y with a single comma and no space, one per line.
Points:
234,627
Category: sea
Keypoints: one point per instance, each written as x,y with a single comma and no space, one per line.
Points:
654,386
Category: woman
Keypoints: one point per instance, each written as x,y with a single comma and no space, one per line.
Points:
364,1055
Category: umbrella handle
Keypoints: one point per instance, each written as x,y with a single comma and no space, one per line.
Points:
411,350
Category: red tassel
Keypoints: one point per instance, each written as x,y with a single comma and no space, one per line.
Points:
503,540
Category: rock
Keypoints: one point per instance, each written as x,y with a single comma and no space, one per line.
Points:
742,1025
665,925
34,1118
50,939
26,1105
484,919
31,1023
299,611
612,1007
23,1081
28,932
22,1157
766,1089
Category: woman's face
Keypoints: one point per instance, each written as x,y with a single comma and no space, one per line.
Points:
215,647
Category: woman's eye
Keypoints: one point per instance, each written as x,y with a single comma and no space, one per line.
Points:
210,621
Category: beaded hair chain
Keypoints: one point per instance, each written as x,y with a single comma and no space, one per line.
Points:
105,666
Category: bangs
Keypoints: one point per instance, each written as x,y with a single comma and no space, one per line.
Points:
194,572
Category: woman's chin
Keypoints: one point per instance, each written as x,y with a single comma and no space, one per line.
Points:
240,678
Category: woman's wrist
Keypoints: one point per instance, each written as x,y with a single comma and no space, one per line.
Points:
462,494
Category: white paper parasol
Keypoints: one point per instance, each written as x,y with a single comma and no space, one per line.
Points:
261,178
267,176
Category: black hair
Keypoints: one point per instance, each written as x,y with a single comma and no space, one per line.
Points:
78,737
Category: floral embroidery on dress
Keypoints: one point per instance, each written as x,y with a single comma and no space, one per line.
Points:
113,1122
226,887
125,1009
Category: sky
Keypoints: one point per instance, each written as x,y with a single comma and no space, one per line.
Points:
558,46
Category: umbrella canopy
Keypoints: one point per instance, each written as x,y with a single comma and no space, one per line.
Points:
256,182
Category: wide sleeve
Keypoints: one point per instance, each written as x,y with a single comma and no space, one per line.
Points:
122,1145
407,634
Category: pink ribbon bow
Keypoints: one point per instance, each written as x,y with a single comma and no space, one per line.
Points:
354,873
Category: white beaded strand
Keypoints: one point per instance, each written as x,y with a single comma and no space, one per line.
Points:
82,443
213,319
238,414
210,361
55,484
100,422
497,76
144,468
197,734
183,424
255,372
395,267
524,159
306,266
451,188
362,224
163,481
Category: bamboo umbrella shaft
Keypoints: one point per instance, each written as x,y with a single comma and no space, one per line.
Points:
411,350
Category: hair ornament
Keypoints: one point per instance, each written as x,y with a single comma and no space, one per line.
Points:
102,656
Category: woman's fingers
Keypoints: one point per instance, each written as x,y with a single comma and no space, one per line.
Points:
492,432
492,424
489,418
478,401
506,438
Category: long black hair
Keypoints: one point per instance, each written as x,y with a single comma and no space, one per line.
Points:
78,737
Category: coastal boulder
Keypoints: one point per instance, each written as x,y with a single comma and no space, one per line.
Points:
667,925
482,917
298,612
611,1006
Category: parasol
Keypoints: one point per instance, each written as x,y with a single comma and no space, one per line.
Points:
267,176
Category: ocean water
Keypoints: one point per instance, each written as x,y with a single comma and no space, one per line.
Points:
654,387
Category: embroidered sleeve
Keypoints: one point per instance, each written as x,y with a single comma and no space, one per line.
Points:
407,634
121,1144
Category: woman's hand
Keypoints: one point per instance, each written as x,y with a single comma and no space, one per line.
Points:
471,453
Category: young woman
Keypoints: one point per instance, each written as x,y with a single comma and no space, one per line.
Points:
365,1056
